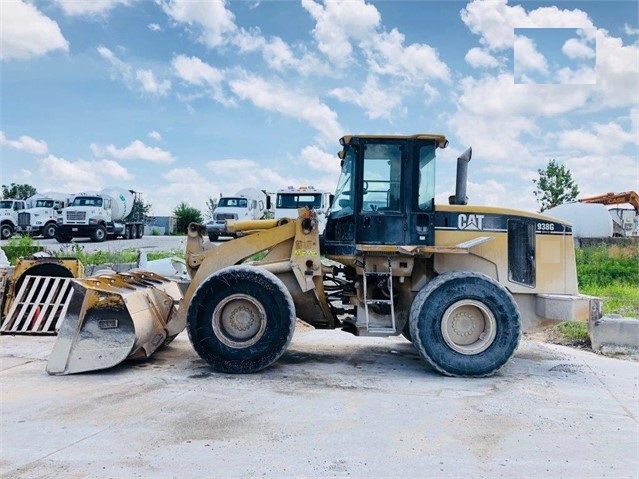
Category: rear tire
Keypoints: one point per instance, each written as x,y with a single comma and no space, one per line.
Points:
127,233
99,234
213,237
241,319
465,324
139,231
48,231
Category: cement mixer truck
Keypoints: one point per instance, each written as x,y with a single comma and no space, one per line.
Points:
110,214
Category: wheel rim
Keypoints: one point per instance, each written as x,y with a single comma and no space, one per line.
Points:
239,321
468,327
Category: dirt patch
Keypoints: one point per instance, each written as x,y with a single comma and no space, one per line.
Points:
549,335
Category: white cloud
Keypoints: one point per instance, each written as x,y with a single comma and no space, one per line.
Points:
527,57
617,71
480,58
387,55
137,150
500,96
577,48
317,159
495,21
338,23
81,175
212,20
151,85
272,96
378,101
154,27
254,175
581,76
25,143
155,135
629,30
26,33
140,79
89,8
598,139
195,72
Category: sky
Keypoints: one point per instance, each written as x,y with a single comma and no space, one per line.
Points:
184,100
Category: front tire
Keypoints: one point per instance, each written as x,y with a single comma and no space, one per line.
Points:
213,237
48,231
99,234
465,324
241,319
6,231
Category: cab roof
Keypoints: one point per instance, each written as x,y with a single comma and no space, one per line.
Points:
441,140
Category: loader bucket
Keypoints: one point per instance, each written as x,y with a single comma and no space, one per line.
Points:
112,318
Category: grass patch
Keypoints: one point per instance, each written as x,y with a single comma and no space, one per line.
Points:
604,265
573,330
620,299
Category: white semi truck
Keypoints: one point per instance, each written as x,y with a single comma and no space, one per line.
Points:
109,214
40,218
9,209
289,200
246,204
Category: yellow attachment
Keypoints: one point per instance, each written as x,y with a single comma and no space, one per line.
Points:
114,317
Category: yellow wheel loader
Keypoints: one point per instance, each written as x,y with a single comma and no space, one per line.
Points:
459,281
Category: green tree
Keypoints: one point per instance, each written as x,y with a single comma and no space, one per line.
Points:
555,186
18,192
141,209
186,214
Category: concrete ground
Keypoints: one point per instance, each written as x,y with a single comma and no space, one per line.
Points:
333,406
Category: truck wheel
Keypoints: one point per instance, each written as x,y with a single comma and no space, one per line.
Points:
465,324
63,238
6,231
213,237
127,233
48,231
241,319
99,235
139,231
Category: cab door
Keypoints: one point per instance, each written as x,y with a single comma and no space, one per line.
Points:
381,218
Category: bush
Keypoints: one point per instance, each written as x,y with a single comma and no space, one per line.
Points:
20,247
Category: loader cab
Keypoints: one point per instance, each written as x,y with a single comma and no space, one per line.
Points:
385,193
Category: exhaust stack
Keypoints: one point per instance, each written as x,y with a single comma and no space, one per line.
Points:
460,197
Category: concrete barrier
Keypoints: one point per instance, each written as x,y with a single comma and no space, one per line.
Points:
614,334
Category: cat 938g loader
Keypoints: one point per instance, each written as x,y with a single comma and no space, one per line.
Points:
459,281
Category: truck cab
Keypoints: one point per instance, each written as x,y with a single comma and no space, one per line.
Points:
41,218
289,200
248,204
9,209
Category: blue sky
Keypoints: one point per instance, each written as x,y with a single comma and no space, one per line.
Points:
183,99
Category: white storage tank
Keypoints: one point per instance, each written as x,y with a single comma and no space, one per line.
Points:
589,220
